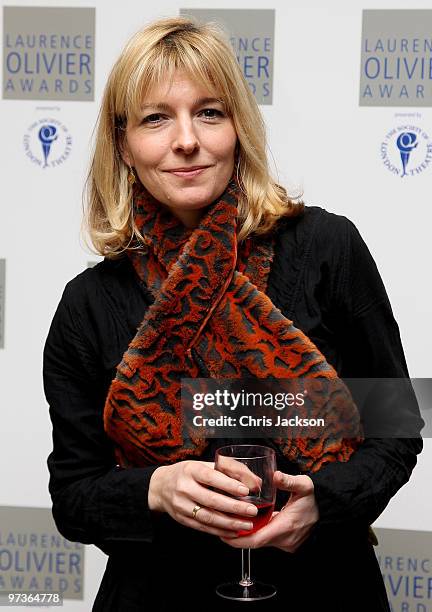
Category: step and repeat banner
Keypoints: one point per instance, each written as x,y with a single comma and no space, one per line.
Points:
346,93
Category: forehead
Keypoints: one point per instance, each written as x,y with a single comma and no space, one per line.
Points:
181,85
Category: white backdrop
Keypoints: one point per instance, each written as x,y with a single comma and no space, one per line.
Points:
321,140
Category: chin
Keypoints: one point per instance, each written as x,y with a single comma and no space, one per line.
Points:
193,199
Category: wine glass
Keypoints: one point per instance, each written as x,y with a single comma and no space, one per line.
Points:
254,466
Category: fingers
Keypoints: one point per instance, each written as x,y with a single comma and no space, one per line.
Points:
271,533
280,525
260,538
217,520
205,527
213,478
239,471
243,542
221,503
217,510
302,484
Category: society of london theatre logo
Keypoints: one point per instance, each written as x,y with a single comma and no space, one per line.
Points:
47,143
406,151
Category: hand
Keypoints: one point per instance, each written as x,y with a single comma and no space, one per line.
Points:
290,527
178,488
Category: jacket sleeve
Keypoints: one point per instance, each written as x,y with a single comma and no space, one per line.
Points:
94,501
370,346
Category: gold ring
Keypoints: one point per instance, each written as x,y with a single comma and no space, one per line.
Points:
195,511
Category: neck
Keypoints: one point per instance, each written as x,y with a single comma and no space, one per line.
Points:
189,218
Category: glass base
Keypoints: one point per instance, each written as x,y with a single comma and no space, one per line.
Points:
254,592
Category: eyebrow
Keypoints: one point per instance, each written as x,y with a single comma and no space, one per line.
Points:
166,107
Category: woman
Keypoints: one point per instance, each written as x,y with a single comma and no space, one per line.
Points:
179,179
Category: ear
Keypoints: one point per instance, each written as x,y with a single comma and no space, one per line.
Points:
126,156
124,149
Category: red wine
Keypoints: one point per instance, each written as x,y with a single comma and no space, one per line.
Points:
265,510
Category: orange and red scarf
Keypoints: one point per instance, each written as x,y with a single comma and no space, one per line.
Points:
210,317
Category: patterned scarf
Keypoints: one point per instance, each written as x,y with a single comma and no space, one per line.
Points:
210,317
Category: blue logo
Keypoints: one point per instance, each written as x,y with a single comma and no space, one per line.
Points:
47,135
406,151
47,143
406,142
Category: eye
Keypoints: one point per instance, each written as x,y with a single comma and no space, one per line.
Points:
153,119
211,113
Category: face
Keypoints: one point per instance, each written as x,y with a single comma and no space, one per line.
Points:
182,147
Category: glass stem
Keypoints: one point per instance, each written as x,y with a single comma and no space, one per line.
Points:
246,577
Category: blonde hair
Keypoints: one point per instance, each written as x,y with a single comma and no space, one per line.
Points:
151,57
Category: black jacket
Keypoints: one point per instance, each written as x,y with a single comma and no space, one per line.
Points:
324,279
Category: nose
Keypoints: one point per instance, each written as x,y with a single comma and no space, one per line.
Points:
185,138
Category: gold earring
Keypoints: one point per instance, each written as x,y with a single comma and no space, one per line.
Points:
131,176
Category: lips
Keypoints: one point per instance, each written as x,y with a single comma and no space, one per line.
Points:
186,172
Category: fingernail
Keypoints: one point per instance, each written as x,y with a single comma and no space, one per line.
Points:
243,490
246,526
252,510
